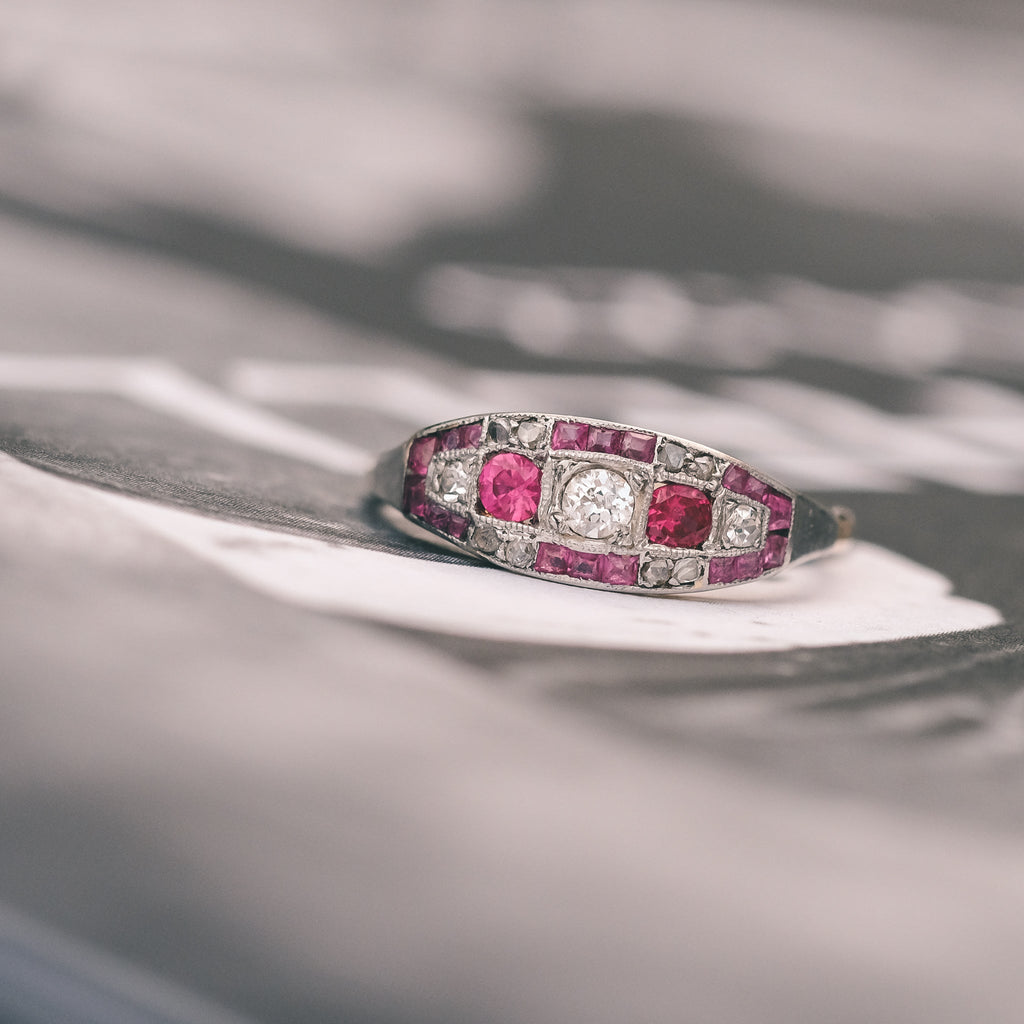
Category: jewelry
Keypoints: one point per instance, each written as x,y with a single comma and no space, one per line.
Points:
600,504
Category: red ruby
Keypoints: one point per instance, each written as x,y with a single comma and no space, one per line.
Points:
741,482
449,440
619,569
510,487
636,445
572,436
774,553
436,515
584,565
680,517
457,526
415,499
470,435
780,511
421,451
731,570
604,439
445,521
553,559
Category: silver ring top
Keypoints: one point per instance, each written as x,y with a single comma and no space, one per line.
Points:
600,504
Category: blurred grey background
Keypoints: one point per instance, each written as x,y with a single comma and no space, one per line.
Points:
244,775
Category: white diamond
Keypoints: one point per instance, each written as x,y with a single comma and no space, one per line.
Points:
686,570
701,466
597,503
657,571
530,432
453,482
519,553
673,456
742,525
486,539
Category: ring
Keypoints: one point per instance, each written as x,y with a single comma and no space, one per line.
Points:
599,504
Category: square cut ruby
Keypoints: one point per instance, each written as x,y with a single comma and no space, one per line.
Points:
470,435
619,569
449,440
741,482
457,527
774,553
437,516
553,559
731,570
570,436
639,446
415,498
604,439
780,510
421,451
445,521
584,565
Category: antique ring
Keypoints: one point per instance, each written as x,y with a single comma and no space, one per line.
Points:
599,504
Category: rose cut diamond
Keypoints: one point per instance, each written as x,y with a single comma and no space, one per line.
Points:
597,503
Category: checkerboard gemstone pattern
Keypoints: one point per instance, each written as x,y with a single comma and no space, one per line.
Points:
415,501
680,516
751,564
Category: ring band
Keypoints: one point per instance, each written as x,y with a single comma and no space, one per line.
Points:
599,504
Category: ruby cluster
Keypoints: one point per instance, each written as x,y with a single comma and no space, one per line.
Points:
558,560
750,565
569,435
421,451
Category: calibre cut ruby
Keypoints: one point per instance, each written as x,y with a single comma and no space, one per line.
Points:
470,435
415,499
458,526
619,569
421,451
774,553
636,445
741,482
552,559
584,565
604,439
449,440
680,517
510,487
732,570
780,511
570,436
445,521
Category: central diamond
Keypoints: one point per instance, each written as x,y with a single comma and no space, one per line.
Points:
597,503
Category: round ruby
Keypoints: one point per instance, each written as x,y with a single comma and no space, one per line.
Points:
680,517
510,487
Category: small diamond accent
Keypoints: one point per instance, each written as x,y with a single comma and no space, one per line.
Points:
742,525
700,466
530,433
597,503
499,430
674,456
686,571
657,572
486,539
519,553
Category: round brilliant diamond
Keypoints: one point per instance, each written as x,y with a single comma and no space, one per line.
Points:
597,503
